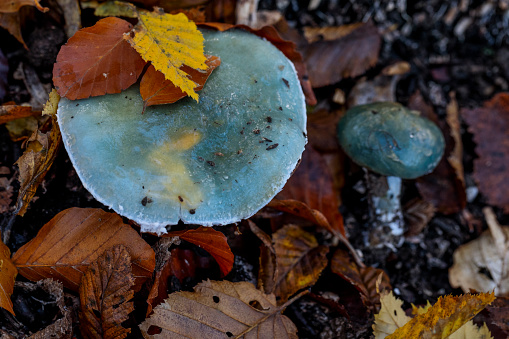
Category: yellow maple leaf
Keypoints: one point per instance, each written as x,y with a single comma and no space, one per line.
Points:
170,41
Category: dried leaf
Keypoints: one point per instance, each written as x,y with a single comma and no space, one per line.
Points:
313,34
391,316
6,191
362,278
445,317
41,150
470,331
11,22
73,239
220,309
170,41
299,259
22,129
51,106
481,264
267,271
211,241
302,210
490,127
105,291
10,111
288,48
155,90
330,61
8,274
116,8
12,6
96,61
312,183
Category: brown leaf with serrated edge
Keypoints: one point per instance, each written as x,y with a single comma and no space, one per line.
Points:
211,241
74,238
41,150
330,61
299,259
490,126
312,183
288,48
97,60
155,90
12,6
220,309
105,291
10,111
8,274
362,278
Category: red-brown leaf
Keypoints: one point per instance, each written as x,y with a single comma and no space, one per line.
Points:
10,111
156,90
8,274
97,61
211,241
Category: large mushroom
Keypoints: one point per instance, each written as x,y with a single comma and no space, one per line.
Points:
210,163
389,139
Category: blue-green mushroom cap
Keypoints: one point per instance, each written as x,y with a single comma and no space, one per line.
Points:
211,162
390,139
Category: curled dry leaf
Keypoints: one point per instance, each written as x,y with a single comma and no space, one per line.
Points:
220,309
288,48
12,6
362,278
11,22
490,126
10,111
97,61
155,90
74,238
211,241
8,274
105,291
299,260
481,264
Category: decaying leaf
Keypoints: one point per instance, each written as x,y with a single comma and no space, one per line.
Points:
51,106
8,274
116,8
220,309
481,264
41,150
12,6
65,247
302,210
155,90
10,111
96,61
168,42
299,259
105,291
362,278
11,22
211,241
490,126
391,316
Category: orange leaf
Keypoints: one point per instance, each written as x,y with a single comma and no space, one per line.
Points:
96,61
10,111
156,90
8,274
105,291
12,6
288,48
73,239
211,241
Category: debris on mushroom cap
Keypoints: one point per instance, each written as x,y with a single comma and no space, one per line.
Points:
201,163
389,139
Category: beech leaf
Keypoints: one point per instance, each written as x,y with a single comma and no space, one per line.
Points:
220,309
299,260
105,291
211,241
74,238
169,42
155,90
8,274
97,61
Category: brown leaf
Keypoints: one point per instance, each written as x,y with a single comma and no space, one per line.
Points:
445,186
97,60
312,183
220,309
73,239
288,48
267,272
8,274
330,61
299,259
105,291
490,126
302,210
322,130
362,278
11,22
10,111
12,6
156,90
6,191
41,150
211,241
